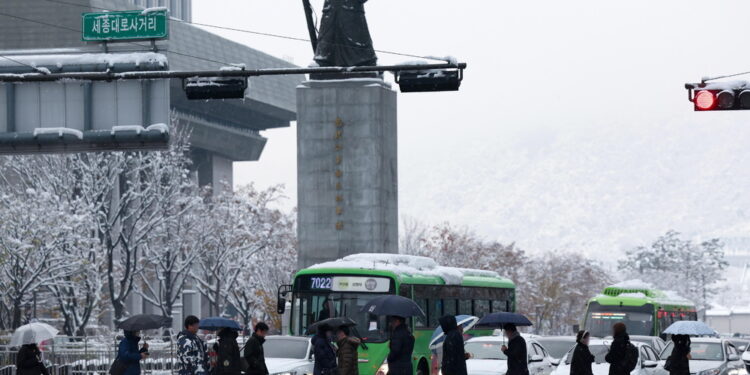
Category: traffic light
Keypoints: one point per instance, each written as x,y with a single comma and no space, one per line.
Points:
201,88
429,80
718,97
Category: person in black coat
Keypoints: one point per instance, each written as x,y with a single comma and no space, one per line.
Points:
227,353
254,355
679,361
401,348
454,355
618,351
325,356
515,351
29,362
582,357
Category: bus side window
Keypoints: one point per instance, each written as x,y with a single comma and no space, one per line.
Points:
481,308
436,311
465,307
421,322
497,306
450,307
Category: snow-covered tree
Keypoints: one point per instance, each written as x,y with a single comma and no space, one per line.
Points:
672,263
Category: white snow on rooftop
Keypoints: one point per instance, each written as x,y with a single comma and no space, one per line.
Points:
406,265
633,295
633,284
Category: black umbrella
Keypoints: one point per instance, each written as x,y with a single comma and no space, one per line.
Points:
144,321
393,305
500,319
333,323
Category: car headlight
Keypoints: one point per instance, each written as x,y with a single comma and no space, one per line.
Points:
713,371
383,370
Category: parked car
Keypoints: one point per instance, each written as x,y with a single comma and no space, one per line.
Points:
711,356
648,360
488,359
740,343
656,342
288,354
557,346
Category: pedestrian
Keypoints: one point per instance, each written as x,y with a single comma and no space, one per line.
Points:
227,353
256,359
129,355
678,363
348,360
622,356
454,355
29,361
325,355
515,351
582,357
191,350
401,348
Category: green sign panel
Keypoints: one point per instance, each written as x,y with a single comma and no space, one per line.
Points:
127,25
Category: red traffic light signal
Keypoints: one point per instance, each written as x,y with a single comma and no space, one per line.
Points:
719,97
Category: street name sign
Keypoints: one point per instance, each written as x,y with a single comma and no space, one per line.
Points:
125,25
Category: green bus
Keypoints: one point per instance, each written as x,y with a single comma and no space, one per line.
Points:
646,311
341,288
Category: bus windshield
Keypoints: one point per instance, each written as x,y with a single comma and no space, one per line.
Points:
311,307
638,319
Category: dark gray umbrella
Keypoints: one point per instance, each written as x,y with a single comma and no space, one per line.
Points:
144,321
333,323
393,305
500,319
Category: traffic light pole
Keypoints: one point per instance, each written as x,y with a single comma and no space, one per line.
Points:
110,76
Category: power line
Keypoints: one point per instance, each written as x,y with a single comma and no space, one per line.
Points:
273,35
706,79
78,31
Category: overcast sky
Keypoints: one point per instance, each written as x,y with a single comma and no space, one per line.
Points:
544,78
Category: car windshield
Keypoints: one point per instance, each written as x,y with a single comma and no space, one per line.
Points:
285,348
313,307
556,347
485,350
699,351
644,340
599,351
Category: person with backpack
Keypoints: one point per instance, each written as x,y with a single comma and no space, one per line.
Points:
678,362
623,355
227,353
582,357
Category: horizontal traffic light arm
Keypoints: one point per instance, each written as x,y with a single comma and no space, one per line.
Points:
111,76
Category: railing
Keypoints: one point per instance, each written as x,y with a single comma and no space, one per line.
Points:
92,355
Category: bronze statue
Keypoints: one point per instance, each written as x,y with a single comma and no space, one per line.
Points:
344,38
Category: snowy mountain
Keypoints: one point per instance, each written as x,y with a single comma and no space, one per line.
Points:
595,190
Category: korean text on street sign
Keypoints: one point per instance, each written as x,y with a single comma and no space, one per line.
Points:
126,25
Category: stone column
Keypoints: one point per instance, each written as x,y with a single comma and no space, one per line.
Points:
346,169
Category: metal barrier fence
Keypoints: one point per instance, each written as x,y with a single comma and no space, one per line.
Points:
92,355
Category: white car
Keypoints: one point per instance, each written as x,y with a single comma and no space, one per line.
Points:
488,359
289,355
746,358
711,357
648,360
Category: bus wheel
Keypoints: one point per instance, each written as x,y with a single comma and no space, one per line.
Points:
423,369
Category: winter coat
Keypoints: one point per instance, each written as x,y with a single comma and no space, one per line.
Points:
582,360
192,355
256,359
227,354
128,353
517,356
347,356
454,355
679,362
28,361
401,348
325,356
617,355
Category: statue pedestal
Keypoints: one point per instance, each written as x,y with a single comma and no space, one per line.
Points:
346,169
